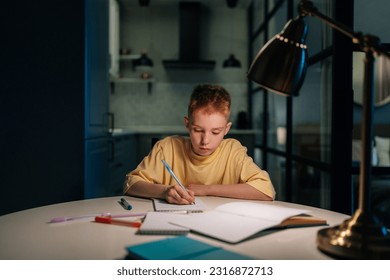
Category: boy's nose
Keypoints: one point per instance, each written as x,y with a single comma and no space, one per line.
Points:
205,139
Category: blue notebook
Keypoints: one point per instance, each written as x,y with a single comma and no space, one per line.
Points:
181,248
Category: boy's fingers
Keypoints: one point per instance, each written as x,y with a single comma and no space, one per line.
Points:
175,194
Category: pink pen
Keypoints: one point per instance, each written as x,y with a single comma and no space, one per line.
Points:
72,218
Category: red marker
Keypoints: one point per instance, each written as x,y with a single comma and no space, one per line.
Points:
109,220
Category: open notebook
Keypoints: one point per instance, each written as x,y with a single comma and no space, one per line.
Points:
236,221
158,222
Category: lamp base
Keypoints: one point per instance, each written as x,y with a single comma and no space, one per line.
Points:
361,237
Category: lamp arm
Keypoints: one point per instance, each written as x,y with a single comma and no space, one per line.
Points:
366,42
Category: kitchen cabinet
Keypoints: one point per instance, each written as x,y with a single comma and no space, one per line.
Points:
97,67
109,160
96,63
96,153
122,160
96,182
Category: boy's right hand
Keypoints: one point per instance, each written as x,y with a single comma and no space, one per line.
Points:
175,195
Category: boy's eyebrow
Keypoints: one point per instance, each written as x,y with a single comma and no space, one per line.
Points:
214,128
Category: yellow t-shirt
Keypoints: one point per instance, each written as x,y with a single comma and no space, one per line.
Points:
228,164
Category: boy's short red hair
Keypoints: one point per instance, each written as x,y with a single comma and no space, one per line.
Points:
211,99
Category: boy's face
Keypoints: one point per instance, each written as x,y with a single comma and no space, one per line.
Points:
206,131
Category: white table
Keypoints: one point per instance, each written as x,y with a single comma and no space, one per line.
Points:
28,235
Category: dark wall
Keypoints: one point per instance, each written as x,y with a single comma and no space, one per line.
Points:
42,103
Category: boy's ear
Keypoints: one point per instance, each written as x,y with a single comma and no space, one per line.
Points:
186,121
228,126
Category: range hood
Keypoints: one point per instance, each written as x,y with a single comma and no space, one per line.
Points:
189,39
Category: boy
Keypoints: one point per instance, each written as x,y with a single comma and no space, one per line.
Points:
206,163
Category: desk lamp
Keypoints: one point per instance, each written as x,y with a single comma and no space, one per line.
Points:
280,66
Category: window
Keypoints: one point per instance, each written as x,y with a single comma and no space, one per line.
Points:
300,142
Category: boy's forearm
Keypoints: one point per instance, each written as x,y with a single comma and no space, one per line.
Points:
146,189
240,191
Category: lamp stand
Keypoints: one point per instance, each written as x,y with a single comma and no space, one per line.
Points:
362,236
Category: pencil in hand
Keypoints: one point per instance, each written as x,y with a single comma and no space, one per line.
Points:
174,177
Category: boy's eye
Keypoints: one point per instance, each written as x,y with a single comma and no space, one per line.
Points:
214,132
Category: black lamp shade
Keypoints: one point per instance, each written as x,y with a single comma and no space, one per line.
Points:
232,61
144,60
280,66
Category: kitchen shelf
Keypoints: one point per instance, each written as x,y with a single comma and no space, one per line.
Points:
116,80
129,57
132,80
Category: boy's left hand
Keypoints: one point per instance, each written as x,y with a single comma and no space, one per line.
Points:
199,190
